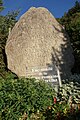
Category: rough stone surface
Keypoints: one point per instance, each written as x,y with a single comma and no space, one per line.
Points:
37,39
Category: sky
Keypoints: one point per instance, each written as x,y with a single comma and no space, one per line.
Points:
56,7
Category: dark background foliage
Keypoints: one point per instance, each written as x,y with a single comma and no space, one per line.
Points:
71,22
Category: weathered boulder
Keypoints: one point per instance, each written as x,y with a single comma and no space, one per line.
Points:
37,39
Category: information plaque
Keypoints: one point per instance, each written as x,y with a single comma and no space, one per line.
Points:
47,73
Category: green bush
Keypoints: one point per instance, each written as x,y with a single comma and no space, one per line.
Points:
70,88
33,100
19,96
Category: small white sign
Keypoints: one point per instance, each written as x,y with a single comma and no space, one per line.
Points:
48,73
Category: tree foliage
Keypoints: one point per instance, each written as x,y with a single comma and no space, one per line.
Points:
1,5
71,22
6,22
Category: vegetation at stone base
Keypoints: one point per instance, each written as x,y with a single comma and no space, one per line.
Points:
21,96
36,100
71,22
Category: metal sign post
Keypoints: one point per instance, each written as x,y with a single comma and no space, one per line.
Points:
59,78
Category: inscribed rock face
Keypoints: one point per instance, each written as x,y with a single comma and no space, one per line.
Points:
37,39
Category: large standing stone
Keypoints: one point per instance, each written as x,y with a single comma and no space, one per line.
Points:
37,39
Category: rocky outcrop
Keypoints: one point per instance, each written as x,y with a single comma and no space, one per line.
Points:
37,39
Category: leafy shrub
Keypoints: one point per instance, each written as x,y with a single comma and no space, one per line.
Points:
21,96
30,99
70,88
62,111
67,106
